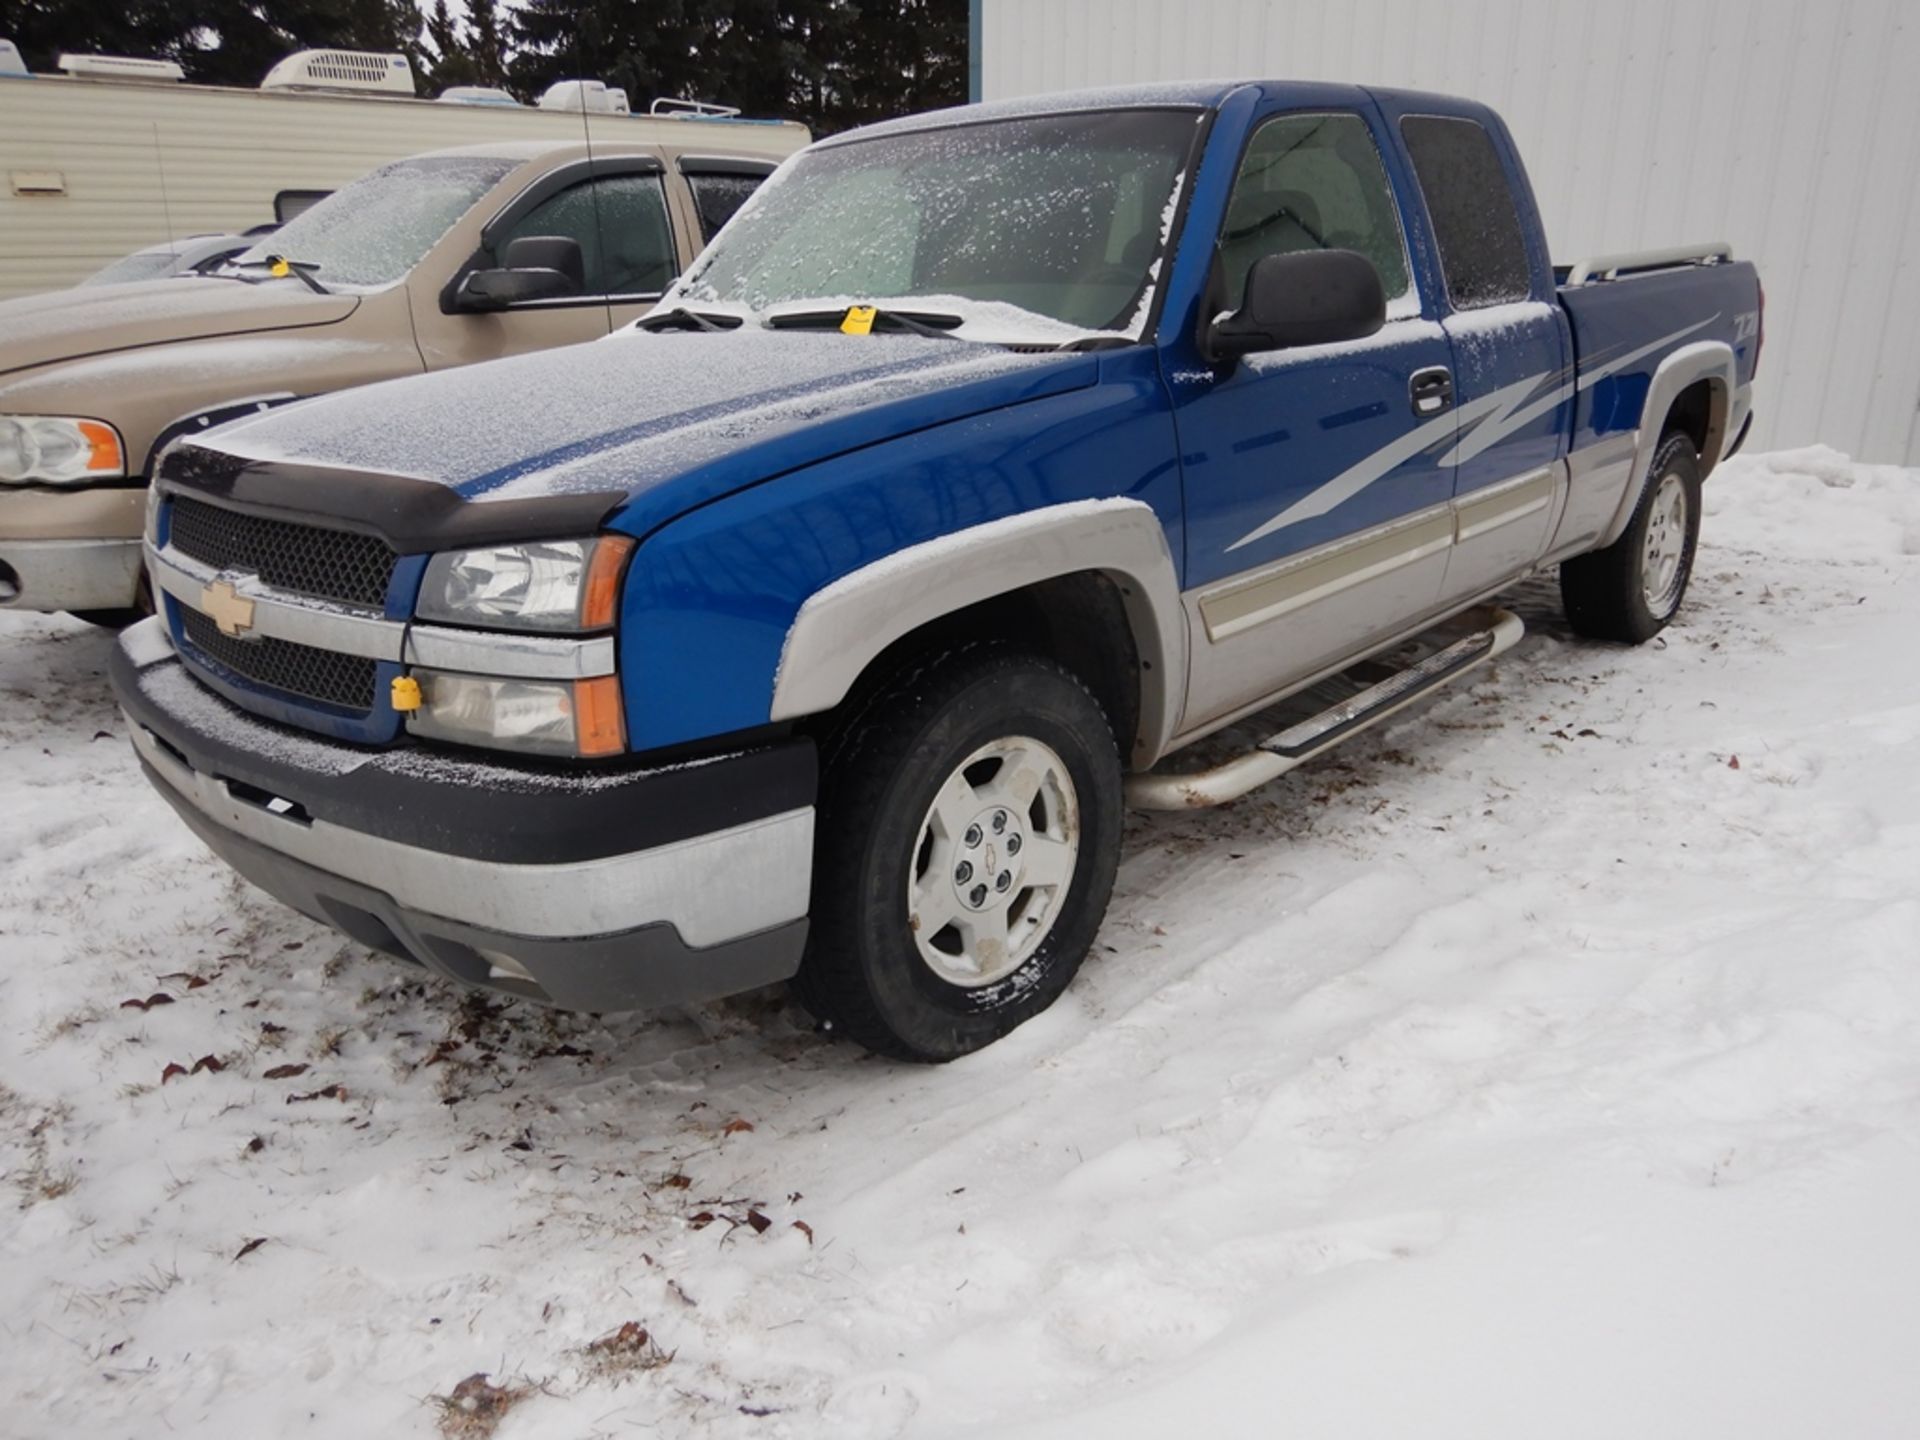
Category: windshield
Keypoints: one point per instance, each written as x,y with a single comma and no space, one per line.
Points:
1063,217
377,229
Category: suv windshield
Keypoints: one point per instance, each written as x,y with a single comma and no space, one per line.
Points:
372,232
1064,217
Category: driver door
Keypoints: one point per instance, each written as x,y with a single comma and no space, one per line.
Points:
616,213
1318,509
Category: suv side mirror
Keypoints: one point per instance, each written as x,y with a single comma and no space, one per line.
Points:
1311,297
536,267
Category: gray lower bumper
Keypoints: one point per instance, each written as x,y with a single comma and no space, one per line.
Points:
69,574
633,922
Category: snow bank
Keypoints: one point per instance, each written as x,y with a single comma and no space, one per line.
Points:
1545,1064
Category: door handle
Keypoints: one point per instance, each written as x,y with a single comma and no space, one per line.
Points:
1431,391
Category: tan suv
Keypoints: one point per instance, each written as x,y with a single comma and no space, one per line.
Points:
440,260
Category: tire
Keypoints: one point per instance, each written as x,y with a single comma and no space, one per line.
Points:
924,780
1629,591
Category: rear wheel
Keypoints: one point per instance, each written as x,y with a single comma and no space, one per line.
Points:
1630,590
969,830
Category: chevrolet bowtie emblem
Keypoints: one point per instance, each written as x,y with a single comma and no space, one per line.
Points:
227,608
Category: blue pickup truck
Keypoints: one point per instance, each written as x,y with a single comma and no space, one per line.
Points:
821,625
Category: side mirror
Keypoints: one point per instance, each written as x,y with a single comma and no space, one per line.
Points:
534,267
1311,297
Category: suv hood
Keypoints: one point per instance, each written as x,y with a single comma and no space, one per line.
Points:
624,416
96,319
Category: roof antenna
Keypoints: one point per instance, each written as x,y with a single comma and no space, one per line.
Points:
593,179
166,209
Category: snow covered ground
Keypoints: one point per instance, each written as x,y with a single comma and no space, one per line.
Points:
1547,1064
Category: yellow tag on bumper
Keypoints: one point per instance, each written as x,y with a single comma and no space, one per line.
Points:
859,320
406,693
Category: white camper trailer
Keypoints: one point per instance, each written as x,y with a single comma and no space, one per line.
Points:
113,154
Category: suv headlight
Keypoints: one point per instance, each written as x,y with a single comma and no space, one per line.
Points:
551,585
59,450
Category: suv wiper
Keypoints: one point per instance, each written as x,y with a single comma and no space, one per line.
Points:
681,318
935,323
280,267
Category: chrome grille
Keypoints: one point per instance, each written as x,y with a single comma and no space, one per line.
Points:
305,559
324,675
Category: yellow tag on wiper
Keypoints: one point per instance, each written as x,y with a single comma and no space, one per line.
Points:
279,268
859,320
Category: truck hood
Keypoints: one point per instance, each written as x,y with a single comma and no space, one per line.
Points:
97,319
687,414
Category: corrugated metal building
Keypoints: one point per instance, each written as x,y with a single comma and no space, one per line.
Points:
1790,128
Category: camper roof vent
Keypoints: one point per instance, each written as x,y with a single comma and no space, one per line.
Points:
356,70
592,96
119,67
10,61
475,95
696,109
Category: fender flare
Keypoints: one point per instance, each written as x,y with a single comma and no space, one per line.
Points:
844,626
1709,360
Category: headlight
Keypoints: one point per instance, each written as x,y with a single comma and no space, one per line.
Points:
564,585
579,718
58,450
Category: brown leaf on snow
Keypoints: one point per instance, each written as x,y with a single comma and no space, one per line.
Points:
171,1071
736,1126
209,1062
702,1220
152,1000
476,1407
1733,762
248,1248
187,978
805,1229
627,1349
677,1181
325,1092
760,1223
285,1072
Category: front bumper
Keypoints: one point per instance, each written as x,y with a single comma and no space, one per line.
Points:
588,889
70,550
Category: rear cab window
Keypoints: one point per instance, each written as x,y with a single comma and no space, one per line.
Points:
1469,198
717,195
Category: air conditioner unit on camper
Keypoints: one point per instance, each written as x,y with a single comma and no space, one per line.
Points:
475,95
356,70
10,61
592,96
671,109
119,67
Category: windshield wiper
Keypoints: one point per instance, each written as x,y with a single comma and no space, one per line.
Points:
936,324
280,267
681,318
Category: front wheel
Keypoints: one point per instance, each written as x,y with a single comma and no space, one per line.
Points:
1630,590
969,830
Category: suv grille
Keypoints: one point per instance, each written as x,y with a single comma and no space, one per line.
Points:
323,675
306,559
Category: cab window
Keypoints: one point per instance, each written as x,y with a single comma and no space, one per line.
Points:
717,196
1313,182
620,224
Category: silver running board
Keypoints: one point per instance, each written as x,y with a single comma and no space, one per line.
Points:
1294,746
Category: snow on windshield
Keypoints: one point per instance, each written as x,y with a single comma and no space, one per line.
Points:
1061,216
377,229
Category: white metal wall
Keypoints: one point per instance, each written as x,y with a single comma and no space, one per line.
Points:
1790,128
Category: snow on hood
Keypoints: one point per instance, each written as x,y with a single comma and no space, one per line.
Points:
637,409
93,320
